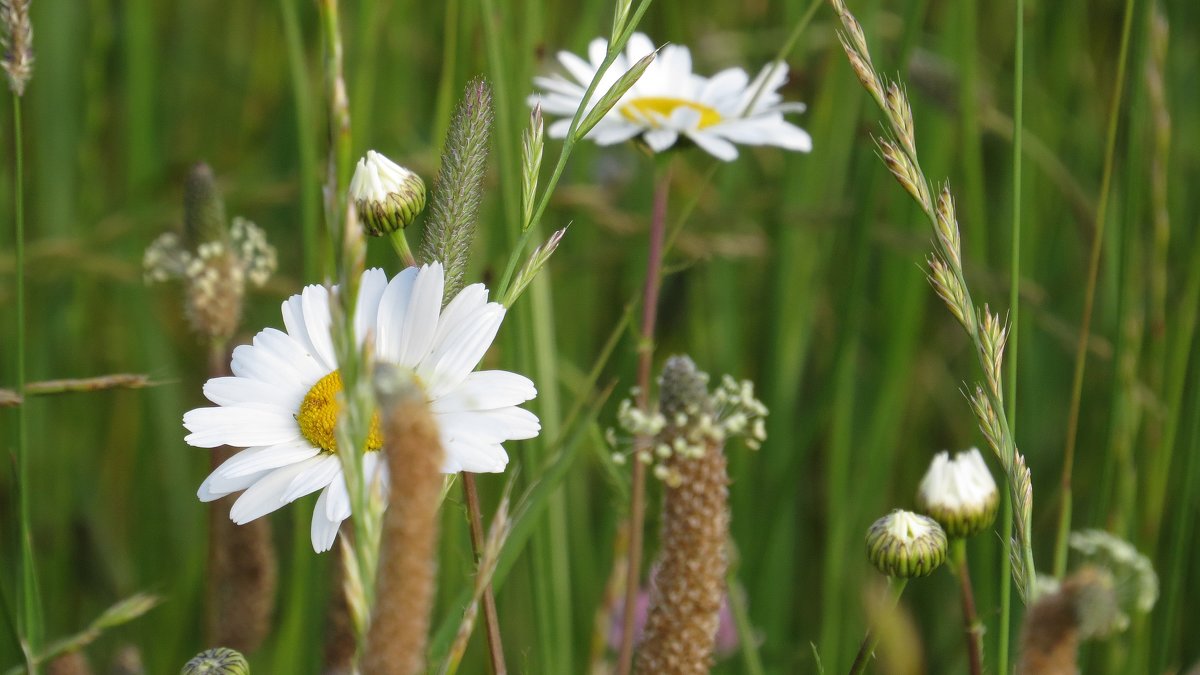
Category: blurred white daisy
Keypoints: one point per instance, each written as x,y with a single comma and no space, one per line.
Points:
280,404
670,101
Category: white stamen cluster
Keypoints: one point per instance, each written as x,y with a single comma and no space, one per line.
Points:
1137,583
689,426
214,275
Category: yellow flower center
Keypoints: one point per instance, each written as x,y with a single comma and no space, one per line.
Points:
648,109
319,413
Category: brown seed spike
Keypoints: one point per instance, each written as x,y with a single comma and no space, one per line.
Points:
689,583
404,587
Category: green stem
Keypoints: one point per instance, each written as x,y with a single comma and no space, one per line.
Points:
400,245
645,349
871,639
302,100
786,49
1085,323
1014,302
478,542
28,600
972,627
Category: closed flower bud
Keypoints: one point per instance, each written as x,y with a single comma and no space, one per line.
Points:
388,196
959,493
218,661
904,544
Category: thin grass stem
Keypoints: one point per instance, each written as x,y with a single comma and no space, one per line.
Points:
28,600
490,618
645,349
1014,301
1085,323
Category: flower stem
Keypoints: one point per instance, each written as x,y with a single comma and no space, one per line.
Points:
974,629
1085,323
871,639
400,244
490,618
637,502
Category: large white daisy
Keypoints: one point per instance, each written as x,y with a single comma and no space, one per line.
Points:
670,101
280,404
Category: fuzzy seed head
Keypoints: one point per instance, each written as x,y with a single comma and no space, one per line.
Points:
16,41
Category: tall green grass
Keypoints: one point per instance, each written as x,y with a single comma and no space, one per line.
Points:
799,271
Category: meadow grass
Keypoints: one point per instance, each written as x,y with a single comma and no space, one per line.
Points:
800,271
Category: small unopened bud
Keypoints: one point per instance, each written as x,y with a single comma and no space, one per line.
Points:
388,197
904,544
219,661
959,493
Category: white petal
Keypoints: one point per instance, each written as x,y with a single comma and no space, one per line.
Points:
315,301
393,308
461,350
420,322
324,529
486,390
265,457
638,46
293,321
366,310
216,486
266,495
316,477
611,131
578,68
495,426
715,146
559,129
597,50
660,139
337,503
240,426
730,82
239,390
557,85
264,365
293,352
463,307
469,454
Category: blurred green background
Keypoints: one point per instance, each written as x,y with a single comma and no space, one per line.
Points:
802,272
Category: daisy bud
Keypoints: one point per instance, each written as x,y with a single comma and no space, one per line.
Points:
388,196
904,544
219,661
959,493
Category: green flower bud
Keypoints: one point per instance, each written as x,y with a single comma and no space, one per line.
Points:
959,493
218,661
388,197
904,544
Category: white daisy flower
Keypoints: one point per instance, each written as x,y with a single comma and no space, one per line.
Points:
670,101
280,403
959,493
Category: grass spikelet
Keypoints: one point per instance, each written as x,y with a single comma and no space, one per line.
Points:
987,332
457,190
16,39
405,581
689,584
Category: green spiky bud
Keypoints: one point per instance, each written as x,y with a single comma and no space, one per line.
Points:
218,661
959,493
904,544
388,196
